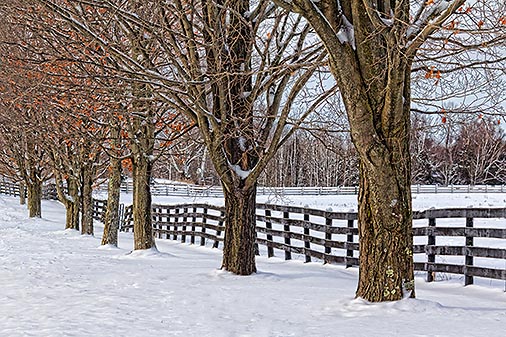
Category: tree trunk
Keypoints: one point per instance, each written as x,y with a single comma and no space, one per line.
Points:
143,232
385,229
72,205
87,201
35,198
22,194
240,233
385,213
111,221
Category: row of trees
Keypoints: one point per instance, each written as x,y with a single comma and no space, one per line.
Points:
91,87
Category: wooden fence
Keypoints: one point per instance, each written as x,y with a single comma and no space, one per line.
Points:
174,189
10,188
332,237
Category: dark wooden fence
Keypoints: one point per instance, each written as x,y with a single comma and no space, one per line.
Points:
10,188
332,237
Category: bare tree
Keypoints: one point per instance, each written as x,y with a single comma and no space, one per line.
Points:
372,46
215,61
481,159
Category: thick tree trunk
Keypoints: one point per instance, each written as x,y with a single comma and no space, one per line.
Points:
240,233
87,201
385,213
385,229
35,198
111,221
143,232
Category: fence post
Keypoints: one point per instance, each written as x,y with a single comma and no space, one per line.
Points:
268,225
159,220
185,219
469,258
349,239
218,232
328,238
194,219
121,215
176,219
307,243
204,221
431,241
286,229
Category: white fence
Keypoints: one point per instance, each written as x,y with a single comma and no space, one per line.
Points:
174,189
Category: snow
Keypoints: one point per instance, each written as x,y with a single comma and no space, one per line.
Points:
429,11
346,33
56,282
345,203
240,172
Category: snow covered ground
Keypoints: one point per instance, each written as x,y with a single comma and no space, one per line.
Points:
345,203
59,283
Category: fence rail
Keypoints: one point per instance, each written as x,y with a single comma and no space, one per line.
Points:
174,189
166,189
10,188
332,237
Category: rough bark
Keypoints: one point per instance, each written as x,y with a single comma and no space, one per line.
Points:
35,198
87,200
22,194
385,224
70,199
385,212
240,234
111,221
143,232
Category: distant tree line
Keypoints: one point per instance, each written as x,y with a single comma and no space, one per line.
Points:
461,151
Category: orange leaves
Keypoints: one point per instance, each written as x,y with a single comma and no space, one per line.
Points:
127,164
443,118
433,73
480,24
466,10
502,20
452,25
165,144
